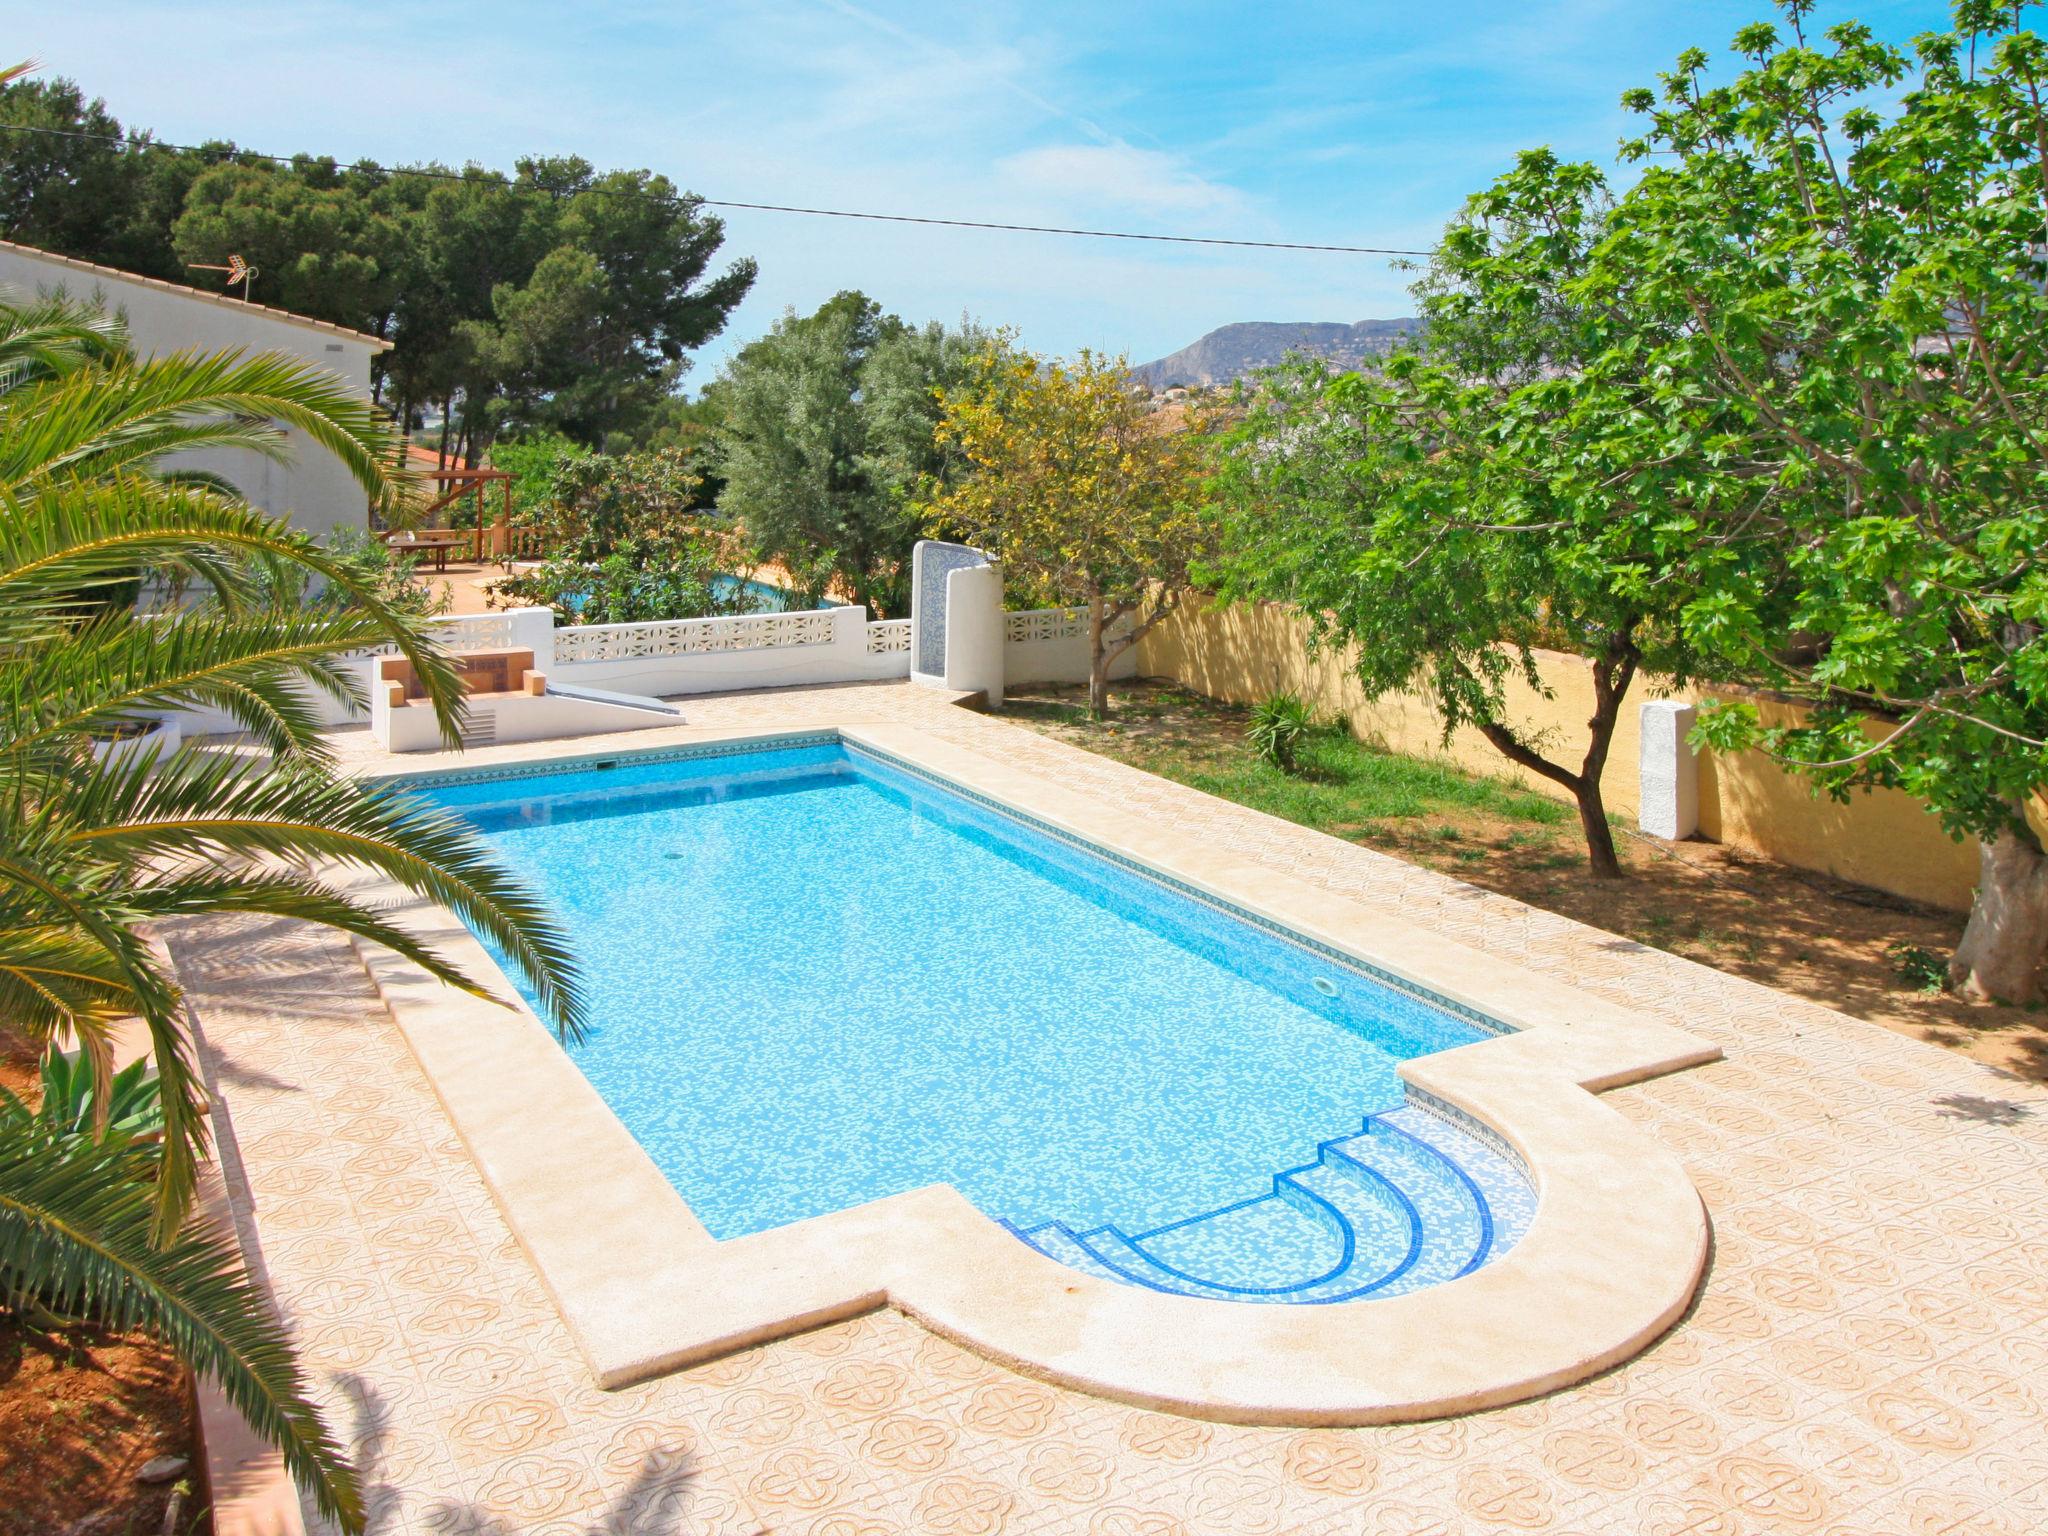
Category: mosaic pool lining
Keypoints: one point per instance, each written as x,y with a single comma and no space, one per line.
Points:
1611,1258
1349,1214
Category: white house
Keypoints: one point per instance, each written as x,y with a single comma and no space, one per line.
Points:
313,490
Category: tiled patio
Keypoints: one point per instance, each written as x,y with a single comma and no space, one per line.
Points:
1870,1353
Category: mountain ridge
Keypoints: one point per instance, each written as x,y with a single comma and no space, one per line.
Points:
1232,351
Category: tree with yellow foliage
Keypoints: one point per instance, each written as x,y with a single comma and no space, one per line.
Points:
1083,491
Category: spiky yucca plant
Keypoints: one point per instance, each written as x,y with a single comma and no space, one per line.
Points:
96,847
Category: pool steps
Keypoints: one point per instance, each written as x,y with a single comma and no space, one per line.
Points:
1407,1201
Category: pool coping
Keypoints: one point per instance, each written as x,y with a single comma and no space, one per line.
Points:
1612,1258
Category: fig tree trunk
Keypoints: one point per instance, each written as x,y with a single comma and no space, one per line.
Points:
1999,957
1613,670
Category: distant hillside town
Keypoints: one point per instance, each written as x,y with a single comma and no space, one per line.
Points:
1232,352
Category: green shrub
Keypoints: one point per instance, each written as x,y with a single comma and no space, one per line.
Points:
1279,725
1919,968
534,463
134,1107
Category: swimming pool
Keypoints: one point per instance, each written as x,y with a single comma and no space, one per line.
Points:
761,596
819,978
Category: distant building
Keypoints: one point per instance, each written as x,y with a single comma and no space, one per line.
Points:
314,490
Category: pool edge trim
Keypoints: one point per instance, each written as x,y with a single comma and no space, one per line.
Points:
1613,1257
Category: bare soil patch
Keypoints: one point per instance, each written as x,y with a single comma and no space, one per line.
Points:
1869,954
82,1411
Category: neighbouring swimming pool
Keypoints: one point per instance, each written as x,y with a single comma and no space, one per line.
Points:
762,597
817,978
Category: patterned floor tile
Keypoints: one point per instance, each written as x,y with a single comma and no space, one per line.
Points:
1866,1358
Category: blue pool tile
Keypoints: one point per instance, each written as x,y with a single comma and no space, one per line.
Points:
817,978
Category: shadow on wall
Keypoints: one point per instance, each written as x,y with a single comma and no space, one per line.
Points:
1883,838
1880,837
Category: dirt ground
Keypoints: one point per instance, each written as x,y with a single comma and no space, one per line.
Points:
81,1412
1871,955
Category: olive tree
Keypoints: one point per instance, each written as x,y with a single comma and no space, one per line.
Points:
825,433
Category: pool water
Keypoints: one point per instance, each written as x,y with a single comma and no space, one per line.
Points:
817,978
760,595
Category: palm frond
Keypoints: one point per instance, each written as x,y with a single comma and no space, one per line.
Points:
60,538
209,805
69,896
65,537
92,852
77,1228
96,421
299,897
44,337
53,980
119,669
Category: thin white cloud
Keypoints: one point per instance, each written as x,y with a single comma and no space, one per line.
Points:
953,57
1118,178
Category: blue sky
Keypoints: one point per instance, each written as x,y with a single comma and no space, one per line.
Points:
1358,123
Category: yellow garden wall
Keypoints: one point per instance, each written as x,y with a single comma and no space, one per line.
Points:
1883,838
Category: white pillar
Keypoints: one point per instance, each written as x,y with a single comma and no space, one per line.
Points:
533,629
1670,800
974,631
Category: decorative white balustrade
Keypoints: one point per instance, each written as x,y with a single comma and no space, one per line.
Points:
1050,645
1039,624
692,637
1034,625
888,637
474,632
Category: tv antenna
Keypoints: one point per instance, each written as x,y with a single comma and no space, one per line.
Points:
238,271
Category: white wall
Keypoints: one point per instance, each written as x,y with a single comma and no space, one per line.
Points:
776,650
975,662
314,491
1050,645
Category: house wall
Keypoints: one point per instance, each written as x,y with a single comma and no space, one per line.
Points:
1882,838
313,490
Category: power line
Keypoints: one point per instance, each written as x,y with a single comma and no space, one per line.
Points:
713,202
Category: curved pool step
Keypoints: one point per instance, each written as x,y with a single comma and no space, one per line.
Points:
1389,1209
1503,1184
1456,1225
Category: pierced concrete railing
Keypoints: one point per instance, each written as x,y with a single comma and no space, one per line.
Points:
1050,645
1037,625
472,632
692,637
889,636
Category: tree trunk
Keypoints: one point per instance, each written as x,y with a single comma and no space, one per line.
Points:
1999,957
1600,855
1098,662
1612,674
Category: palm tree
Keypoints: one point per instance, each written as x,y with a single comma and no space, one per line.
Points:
97,846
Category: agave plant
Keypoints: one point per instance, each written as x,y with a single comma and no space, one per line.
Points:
95,848
75,1108
1278,728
